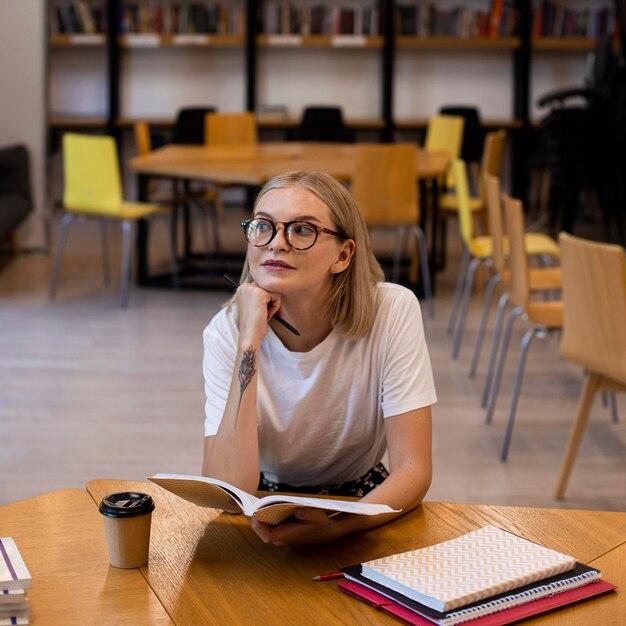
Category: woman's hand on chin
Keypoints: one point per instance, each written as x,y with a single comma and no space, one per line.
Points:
256,306
309,526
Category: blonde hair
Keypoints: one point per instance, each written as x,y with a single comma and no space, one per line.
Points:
352,301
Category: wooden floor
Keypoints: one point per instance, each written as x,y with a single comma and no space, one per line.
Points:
90,391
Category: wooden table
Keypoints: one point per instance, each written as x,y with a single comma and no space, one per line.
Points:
61,538
254,165
208,567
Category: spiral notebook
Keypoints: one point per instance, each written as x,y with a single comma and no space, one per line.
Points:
580,576
499,618
480,564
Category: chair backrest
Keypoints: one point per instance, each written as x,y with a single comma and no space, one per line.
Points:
493,201
594,309
142,137
519,286
384,183
322,123
91,174
491,161
227,129
189,126
445,133
473,132
461,190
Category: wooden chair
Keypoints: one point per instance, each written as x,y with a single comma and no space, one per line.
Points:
543,315
228,129
384,187
540,279
93,190
594,328
477,251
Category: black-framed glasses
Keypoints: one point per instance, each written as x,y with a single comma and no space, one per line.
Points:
300,235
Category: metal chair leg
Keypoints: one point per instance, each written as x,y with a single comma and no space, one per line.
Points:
467,292
491,285
613,403
428,292
493,352
127,230
172,249
529,335
104,243
460,280
397,255
66,220
506,338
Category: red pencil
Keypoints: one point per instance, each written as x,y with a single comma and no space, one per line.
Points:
328,576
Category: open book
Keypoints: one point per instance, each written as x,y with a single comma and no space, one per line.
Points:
274,509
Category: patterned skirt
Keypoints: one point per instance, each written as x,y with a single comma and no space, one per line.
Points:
358,488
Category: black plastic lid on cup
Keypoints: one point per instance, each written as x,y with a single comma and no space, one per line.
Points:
126,504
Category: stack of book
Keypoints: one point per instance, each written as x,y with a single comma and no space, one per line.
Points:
14,580
487,577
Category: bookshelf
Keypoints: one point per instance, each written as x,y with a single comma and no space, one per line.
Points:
388,74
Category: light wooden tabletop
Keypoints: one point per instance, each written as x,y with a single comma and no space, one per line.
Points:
255,164
209,567
61,538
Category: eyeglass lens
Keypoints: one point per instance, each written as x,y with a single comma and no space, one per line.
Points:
301,235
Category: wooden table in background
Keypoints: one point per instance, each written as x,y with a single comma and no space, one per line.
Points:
61,538
208,567
255,165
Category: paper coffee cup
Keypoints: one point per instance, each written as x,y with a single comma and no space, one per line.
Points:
127,517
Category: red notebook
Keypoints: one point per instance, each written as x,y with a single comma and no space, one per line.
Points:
506,616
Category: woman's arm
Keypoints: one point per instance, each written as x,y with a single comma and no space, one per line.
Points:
409,441
232,454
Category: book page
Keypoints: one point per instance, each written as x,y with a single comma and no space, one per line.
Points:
209,492
279,507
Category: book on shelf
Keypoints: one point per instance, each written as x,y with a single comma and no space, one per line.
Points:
14,580
466,569
272,509
555,19
76,17
507,615
580,576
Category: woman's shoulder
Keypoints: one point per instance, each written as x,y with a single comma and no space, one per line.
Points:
223,324
390,294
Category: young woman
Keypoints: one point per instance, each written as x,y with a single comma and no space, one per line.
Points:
315,412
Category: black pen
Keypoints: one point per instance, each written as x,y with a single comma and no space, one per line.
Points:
279,319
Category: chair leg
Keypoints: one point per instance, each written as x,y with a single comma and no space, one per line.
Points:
460,280
104,244
613,403
493,352
65,223
127,230
482,327
171,227
428,292
397,255
529,335
590,387
495,390
467,292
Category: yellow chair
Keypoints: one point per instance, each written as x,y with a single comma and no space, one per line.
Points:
544,315
594,328
541,279
230,129
445,133
479,250
385,189
93,190
491,163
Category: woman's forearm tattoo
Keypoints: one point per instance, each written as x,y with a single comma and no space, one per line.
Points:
247,369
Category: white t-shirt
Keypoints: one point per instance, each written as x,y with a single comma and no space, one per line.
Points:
320,413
